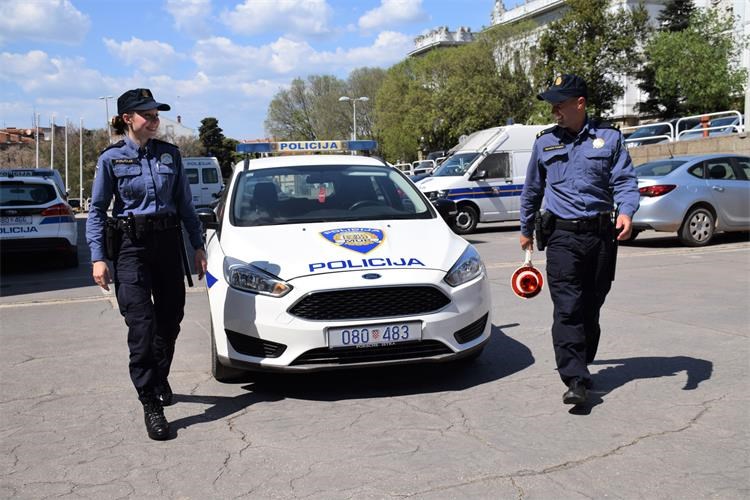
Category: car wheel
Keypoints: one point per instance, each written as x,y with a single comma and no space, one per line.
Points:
220,372
697,228
466,220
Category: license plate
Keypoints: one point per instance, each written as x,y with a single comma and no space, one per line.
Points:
16,220
375,335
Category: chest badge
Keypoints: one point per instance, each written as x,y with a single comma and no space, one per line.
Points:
166,158
598,143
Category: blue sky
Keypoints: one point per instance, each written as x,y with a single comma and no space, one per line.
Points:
221,58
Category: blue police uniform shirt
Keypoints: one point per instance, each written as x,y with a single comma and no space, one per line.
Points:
143,180
578,176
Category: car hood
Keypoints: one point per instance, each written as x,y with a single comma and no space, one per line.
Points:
438,183
296,250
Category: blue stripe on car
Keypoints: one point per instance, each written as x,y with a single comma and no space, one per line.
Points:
486,192
57,219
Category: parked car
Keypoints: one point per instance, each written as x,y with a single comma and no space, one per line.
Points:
422,167
658,132
718,126
695,196
35,217
354,267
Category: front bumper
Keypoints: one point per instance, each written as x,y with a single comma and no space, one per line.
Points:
255,332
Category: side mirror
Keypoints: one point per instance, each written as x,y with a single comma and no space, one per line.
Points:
446,208
208,218
478,175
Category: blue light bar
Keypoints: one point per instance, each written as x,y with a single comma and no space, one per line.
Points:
305,146
26,172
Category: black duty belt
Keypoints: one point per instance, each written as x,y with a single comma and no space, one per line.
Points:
148,223
593,225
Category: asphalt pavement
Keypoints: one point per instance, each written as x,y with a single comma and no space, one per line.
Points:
669,415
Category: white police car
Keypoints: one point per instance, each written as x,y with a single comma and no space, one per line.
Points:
34,216
332,260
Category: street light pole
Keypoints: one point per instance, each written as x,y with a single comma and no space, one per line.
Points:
106,109
354,111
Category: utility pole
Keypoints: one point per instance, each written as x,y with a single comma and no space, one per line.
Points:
67,186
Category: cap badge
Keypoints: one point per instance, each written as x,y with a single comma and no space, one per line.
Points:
145,93
166,159
598,143
558,80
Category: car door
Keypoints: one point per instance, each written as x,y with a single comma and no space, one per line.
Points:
493,193
730,190
194,180
210,185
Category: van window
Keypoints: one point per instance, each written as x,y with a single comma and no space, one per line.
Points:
210,176
497,165
192,175
456,165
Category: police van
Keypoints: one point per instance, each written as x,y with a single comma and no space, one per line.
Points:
35,216
326,261
484,175
204,176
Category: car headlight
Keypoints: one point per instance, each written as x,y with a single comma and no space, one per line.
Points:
466,268
436,195
249,278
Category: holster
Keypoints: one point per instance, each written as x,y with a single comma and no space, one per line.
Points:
112,239
544,225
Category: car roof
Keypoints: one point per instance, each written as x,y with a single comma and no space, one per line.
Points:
310,160
707,156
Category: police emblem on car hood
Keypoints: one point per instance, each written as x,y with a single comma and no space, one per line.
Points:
359,239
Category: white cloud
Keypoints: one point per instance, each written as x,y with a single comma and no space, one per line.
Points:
289,16
392,12
42,20
20,67
190,16
149,55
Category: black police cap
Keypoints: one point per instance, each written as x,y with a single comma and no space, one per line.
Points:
139,100
564,87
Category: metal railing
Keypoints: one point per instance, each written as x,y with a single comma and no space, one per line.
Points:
676,136
669,137
738,127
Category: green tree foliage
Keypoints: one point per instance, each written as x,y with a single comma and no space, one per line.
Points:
215,144
676,15
596,44
695,70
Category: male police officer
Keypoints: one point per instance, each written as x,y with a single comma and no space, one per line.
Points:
582,170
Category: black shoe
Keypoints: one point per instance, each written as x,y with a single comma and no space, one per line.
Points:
156,424
576,393
164,394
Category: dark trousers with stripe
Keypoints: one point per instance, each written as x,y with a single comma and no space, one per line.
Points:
579,275
151,296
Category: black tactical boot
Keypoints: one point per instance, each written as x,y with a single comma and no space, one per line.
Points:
156,424
164,394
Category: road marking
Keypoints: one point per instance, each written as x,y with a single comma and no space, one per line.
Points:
106,296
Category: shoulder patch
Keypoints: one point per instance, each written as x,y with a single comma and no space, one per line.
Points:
545,131
118,144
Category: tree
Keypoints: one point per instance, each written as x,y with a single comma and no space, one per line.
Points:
596,44
676,15
695,70
215,144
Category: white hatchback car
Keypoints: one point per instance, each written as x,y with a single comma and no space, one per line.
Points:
331,260
34,216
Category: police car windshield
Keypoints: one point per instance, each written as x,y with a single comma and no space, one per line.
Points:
19,193
455,166
330,193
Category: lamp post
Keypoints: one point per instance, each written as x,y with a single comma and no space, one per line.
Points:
106,109
354,100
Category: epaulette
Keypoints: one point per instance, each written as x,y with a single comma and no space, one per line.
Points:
118,144
546,131
606,124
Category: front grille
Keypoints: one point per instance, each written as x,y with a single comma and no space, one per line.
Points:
474,330
350,355
370,303
253,346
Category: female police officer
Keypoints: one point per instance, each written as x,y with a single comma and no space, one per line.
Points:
144,238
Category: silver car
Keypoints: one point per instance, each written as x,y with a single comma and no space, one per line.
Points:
694,196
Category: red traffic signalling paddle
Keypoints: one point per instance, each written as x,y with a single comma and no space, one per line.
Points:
527,281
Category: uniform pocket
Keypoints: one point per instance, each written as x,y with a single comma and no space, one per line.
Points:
556,164
120,171
164,169
598,163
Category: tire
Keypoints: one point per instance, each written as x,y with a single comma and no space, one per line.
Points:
220,372
466,220
698,228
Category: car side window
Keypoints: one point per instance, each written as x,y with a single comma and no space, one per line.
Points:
720,169
742,169
497,166
192,175
697,171
210,176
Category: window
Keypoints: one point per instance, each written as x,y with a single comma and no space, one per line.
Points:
497,165
720,169
743,164
192,175
210,176
697,170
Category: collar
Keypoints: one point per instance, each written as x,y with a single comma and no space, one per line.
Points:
139,150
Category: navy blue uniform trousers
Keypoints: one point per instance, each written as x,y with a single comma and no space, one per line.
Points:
151,297
579,276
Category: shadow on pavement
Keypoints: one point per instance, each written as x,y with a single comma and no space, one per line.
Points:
653,239
629,369
502,356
